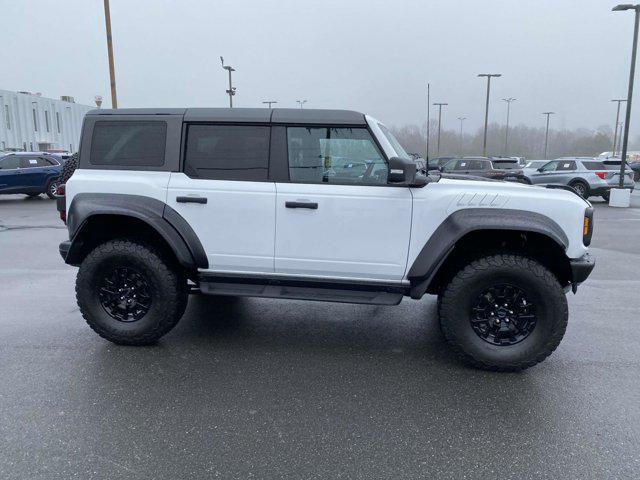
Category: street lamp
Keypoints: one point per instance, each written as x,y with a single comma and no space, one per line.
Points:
428,120
615,128
625,139
439,105
301,102
546,135
462,119
232,89
270,102
486,111
112,70
506,132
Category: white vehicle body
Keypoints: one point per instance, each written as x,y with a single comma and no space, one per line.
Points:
320,205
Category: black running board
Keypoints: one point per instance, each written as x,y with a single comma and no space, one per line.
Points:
302,289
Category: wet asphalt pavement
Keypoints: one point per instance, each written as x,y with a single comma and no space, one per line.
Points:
258,388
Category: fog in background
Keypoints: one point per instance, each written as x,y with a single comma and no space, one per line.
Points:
375,56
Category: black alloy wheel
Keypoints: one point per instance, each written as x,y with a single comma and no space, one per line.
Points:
124,294
502,315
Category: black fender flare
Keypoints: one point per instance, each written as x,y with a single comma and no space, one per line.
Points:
436,250
168,223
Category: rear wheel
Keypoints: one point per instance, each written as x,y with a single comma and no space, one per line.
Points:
129,294
503,312
581,188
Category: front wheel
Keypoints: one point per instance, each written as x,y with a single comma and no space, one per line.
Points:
52,187
503,312
606,196
129,294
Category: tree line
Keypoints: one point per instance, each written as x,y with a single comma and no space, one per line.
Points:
523,141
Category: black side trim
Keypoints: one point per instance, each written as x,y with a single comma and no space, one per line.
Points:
461,222
302,289
159,216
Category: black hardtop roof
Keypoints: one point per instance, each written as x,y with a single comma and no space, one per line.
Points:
307,116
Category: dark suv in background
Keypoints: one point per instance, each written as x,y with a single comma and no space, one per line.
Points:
484,167
30,173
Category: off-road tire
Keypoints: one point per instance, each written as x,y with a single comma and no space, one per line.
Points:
455,311
167,287
68,168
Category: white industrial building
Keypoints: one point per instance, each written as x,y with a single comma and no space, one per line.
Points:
31,122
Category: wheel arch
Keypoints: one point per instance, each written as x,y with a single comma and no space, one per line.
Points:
94,218
469,233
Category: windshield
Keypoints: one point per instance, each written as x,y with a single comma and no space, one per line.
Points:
400,152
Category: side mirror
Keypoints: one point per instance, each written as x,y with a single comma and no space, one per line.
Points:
540,169
403,171
435,168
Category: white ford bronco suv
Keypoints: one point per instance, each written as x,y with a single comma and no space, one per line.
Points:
311,205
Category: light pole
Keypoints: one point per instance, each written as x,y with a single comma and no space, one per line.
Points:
270,102
546,134
615,129
439,105
632,71
112,68
486,110
232,89
506,132
462,119
428,120
301,103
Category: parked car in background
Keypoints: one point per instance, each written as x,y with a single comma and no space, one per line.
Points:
30,173
483,167
614,164
588,176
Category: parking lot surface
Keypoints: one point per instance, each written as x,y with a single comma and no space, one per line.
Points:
258,388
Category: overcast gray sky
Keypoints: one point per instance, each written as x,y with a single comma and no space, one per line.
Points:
375,56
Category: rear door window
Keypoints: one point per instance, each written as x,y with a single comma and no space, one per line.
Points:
228,152
29,162
128,143
565,166
594,165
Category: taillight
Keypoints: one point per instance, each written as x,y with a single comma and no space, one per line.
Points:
60,190
63,216
602,175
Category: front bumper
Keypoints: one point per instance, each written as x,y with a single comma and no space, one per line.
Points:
581,269
64,249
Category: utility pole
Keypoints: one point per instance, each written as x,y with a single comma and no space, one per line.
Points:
506,132
112,68
439,105
428,121
270,102
486,110
462,119
546,135
301,103
615,129
632,71
232,89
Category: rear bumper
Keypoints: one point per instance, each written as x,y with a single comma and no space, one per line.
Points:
581,269
64,249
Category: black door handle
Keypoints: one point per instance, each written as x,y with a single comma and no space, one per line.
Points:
191,199
309,205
